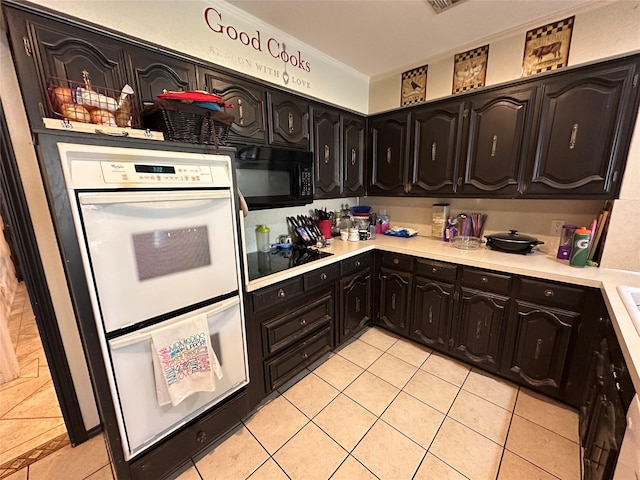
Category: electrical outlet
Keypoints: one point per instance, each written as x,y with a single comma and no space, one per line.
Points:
556,227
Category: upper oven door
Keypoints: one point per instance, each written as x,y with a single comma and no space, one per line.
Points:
151,253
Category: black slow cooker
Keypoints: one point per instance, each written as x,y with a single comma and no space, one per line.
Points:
512,242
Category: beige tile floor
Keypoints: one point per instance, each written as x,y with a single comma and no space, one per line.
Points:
380,407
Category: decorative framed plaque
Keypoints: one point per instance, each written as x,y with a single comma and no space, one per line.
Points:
547,48
414,86
470,69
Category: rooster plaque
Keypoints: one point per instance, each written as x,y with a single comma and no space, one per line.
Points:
470,69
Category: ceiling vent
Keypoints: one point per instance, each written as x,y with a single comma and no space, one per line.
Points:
441,5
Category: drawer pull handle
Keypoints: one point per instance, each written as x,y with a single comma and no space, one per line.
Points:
396,261
430,314
357,263
323,276
303,322
548,293
536,354
434,270
484,279
305,355
201,437
281,293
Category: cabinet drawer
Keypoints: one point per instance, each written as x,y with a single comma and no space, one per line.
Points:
548,293
396,261
275,295
284,366
445,272
287,329
355,264
483,280
321,276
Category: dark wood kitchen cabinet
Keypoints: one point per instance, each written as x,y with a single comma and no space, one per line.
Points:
249,105
498,142
433,303
327,156
437,134
288,120
478,327
353,155
389,148
395,285
45,48
152,73
585,117
355,296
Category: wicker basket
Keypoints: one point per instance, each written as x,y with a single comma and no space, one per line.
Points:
183,122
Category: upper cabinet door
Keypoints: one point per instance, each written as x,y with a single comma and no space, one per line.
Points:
353,155
44,49
436,146
288,120
580,144
389,153
152,73
498,142
326,153
248,102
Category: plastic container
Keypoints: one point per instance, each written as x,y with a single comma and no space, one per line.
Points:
439,218
566,241
580,247
466,243
262,238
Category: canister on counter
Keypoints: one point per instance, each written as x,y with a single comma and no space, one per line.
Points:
439,218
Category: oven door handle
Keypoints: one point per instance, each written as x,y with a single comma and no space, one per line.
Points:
145,333
91,198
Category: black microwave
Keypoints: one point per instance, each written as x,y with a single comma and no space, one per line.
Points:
271,177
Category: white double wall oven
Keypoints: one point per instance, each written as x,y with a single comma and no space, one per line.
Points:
157,232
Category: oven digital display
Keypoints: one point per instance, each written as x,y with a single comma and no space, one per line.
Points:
154,169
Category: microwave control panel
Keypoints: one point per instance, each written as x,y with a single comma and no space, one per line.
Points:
306,183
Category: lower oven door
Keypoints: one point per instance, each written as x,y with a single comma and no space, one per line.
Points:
142,421
151,253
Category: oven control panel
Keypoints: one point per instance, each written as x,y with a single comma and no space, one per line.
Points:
162,174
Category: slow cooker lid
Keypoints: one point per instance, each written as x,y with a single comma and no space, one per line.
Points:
514,237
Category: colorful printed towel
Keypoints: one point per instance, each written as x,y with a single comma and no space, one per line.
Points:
183,360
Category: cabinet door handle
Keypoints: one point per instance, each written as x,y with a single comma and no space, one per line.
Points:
27,46
393,301
323,276
433,152
303,322
240,112
494,144
459,181
389,155
357,304
353,156
574,135
290,122
281,293
536,354
430,314
478,329
326,153
548,293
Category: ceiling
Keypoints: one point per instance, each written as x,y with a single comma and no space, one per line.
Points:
377,37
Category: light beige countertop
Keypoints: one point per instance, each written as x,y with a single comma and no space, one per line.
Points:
537,264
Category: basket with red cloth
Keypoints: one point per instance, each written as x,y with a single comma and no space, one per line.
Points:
192,117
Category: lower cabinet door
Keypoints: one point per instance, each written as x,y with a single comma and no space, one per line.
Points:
355,304
395,288
536,346
479,326
432,310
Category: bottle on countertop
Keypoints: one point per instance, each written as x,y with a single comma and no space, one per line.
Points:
580,247
262,238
